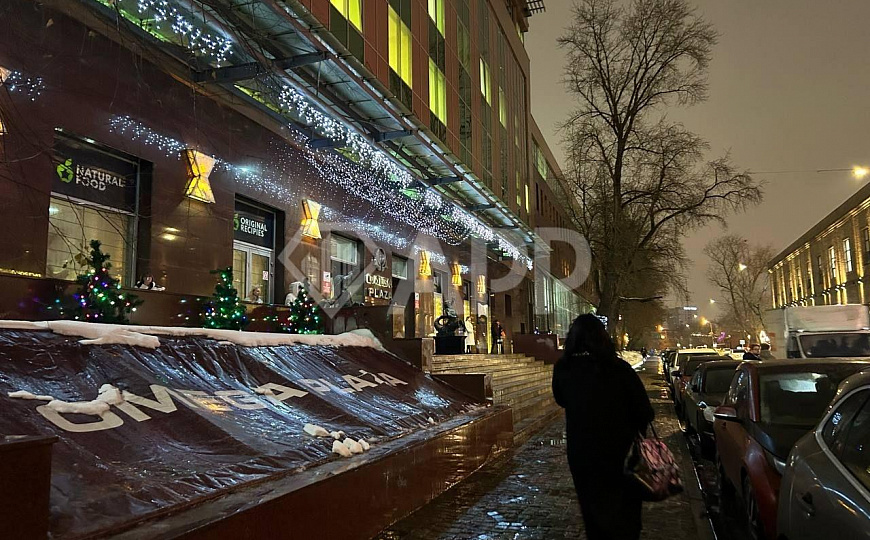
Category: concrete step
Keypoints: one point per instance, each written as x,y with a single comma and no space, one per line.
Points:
483,367
523,396
506,379
536,407
519,383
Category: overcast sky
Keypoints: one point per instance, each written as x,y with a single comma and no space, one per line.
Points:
789,91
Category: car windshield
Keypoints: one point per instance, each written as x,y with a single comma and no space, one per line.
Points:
691,366
799,399
835,345
718,380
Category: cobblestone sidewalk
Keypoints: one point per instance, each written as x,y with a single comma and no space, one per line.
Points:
528,494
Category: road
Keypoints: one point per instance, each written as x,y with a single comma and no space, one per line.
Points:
527,493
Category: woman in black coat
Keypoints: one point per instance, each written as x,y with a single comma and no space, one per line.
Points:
606,406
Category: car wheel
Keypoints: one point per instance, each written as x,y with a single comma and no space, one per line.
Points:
753,514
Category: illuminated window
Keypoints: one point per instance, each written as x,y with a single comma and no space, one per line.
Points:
527,198
437,92
485,81
832,256
350,10
436,13
400,47
502,107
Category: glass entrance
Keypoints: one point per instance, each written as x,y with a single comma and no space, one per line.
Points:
253,267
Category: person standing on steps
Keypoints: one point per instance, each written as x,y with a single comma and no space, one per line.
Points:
606,407
497,337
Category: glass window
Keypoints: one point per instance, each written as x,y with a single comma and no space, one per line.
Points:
847,250
436,13
865,241
799,399
508,309
400,267
350,10
717,381
437,282
343,250
400,47
71,227
834,432
855,453
832,256
437,92
485,82
502,107
835,345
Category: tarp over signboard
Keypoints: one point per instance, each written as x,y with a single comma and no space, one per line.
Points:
195,416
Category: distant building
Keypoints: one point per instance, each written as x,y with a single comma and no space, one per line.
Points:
826,265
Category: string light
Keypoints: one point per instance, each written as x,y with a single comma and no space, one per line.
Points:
15,81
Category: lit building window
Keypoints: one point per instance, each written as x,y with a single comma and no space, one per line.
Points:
436,13
832,256
350,10
502,107
437,92
400,48
485,81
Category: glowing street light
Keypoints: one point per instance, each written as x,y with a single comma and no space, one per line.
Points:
741,267
712,301
860,172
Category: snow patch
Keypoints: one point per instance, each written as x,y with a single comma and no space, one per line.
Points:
430,420
353,446
144,336
315,430
24,394
108,395
365,446
336,434
341,449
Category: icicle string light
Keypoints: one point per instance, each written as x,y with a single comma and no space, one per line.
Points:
190,36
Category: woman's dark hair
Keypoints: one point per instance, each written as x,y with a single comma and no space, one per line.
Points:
588,336
145,276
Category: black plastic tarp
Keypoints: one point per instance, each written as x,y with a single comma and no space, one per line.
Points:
198,416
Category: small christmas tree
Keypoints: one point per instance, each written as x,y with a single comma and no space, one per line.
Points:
100,298
225,310
304,315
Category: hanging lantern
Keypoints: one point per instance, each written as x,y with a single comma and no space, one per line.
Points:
199,168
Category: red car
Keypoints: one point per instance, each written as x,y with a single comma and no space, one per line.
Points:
769,406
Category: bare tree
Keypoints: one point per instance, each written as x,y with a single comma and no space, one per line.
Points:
636,183
739,270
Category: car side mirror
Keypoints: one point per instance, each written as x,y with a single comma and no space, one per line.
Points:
729,414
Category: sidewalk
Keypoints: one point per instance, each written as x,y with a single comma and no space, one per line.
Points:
528,494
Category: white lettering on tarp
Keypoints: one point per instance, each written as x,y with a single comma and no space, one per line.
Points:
245,401
224,400
108,420
357,383
252,227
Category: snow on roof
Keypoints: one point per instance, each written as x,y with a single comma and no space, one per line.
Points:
145,336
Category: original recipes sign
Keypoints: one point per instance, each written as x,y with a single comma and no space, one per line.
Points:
86,172
254,225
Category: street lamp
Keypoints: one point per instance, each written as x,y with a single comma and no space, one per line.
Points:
860,172
712,301
741,267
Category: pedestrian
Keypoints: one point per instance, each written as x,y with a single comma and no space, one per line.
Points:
754,352
256,296
147,282
606,407
765,352
497,337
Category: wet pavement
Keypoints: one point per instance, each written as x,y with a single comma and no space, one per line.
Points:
527,493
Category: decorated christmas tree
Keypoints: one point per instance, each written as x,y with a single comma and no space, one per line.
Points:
304,315
225,310
100,298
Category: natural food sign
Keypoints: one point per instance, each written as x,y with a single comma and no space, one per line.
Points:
87,172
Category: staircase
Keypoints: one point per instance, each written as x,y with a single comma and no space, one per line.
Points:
518,381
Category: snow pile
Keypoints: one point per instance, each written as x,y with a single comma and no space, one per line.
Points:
365,446
353,446
315,430
337,435
24,394
341,449
144,336
108,395
634,358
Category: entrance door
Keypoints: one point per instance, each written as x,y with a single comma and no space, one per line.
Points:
253,267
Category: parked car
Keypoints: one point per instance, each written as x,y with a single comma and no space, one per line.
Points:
825,489
768,407
705,392
681,356
684,375
667,358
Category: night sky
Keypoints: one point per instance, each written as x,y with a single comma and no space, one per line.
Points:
789,91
